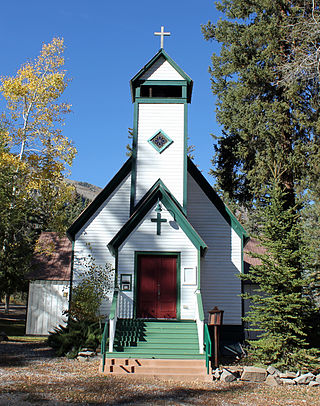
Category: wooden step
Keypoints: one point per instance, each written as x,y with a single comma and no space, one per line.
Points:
186,370
186,363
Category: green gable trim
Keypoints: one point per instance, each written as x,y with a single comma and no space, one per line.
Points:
134,157
217,201
156,193
152,190
99,200
163,82
155,100
185,159
134,82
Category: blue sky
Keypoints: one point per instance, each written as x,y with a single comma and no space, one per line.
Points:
107,43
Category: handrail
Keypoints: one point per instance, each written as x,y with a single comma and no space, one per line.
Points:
199,317
104,344
113,316
200,306
113,305
208,347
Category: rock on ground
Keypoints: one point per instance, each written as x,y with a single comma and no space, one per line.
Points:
253,374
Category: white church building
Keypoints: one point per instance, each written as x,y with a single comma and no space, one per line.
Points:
176,249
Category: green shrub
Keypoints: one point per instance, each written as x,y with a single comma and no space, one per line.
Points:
69,340
92,284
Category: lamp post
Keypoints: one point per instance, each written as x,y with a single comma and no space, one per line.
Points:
215,320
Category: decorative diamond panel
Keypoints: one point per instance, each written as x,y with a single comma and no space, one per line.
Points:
160,141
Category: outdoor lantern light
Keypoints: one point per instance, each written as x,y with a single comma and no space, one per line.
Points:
215,317
215,320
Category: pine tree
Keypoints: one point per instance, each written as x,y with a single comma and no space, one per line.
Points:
282,307
266,158
266,124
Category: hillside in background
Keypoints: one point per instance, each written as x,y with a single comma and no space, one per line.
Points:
85,189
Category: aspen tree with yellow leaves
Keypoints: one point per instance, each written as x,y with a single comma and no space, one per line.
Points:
34,159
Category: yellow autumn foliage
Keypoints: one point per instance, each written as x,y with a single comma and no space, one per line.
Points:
35,111
35,144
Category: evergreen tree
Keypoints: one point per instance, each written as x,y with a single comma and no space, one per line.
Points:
303,36
268,126
265,159
282,307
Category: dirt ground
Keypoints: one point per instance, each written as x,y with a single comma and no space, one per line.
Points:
30,374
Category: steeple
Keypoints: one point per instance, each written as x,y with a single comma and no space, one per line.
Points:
160,91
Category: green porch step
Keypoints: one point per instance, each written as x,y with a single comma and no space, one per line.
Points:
159,340
156,339
152,355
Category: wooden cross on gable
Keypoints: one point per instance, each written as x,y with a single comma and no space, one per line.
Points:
162,34
158,220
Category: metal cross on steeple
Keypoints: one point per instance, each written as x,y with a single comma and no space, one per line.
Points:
162,34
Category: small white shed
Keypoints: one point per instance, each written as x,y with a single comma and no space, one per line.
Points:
49,287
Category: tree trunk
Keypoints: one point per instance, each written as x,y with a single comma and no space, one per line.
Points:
6,304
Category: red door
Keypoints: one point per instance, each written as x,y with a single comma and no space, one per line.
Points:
157,286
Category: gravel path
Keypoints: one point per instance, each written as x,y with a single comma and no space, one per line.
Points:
31,375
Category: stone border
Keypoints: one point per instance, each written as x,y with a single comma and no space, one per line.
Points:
271,376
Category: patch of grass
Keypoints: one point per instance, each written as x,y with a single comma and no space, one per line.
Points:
12,328
28,339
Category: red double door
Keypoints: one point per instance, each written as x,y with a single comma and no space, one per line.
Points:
157,286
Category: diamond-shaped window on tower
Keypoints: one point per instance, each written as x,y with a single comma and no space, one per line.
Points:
160,141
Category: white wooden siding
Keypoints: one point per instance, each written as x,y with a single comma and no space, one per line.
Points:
168,165
161,70
220,285
46,303
172,239
99,231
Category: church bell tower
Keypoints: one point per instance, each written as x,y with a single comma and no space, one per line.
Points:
160,92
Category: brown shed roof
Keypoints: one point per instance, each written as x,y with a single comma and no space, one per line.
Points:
253,246
52,259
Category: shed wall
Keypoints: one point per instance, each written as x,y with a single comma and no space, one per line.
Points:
46,303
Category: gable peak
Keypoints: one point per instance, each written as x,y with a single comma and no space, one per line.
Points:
161,68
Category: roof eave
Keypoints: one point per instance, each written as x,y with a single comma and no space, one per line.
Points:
99,200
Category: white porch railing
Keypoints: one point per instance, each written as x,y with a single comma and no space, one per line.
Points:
113,317
199,318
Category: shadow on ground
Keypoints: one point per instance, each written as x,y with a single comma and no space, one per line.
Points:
13,353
